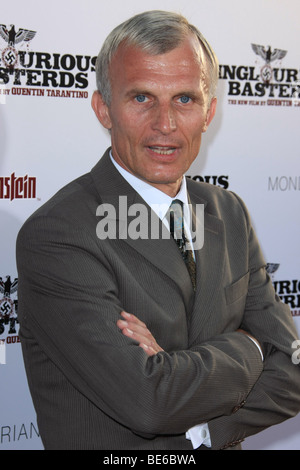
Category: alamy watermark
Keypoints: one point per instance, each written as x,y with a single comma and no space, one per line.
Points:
296,354
138,221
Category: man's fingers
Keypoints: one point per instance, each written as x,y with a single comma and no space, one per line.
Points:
132,318
132,323
134,328
136,331
148,349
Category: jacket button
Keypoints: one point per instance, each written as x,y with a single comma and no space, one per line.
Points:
236,408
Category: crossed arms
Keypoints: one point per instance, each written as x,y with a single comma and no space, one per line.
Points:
70,287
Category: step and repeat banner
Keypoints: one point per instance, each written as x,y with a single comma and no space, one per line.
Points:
49,136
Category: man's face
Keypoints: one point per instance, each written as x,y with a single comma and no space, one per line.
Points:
158,111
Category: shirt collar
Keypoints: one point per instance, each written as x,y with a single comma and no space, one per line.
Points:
156,199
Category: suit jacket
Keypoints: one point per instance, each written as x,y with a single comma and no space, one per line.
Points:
94,388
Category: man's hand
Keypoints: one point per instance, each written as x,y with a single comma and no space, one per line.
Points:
132,327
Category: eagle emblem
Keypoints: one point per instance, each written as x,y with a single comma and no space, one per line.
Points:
271,268
13,37
267,54
8,287
8,306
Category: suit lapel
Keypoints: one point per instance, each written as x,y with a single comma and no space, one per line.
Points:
161,252
210,265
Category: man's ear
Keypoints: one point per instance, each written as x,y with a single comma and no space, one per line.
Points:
101,110
210,113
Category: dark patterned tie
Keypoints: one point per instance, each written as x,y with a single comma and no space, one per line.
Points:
178,233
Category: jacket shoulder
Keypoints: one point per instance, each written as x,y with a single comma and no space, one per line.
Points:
216,199
69,199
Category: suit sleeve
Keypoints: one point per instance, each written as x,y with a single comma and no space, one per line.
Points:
276,395
68,302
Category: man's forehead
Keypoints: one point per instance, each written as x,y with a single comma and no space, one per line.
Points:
190,44
173,73
186,61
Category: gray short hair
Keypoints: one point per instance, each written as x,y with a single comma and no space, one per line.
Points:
156,32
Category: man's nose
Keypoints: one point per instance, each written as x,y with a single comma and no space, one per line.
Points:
164,119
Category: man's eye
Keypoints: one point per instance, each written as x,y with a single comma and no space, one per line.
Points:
141,98
184,99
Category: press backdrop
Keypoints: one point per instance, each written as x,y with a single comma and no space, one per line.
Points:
49,135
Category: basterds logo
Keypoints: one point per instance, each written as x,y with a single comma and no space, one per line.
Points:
268,56
13,37
266,83
287,290
52,74
8,310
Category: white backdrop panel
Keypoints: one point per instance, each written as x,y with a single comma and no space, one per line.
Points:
252,147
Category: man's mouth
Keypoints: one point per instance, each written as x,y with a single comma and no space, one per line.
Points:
162,150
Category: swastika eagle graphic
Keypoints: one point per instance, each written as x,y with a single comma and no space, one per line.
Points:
13,37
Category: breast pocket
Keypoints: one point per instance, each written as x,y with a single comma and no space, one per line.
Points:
238,290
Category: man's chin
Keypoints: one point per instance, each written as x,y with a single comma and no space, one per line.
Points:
167,184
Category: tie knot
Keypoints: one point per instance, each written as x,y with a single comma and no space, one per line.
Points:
176,206
176,219
177,232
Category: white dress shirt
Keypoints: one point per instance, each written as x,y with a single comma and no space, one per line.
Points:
160,203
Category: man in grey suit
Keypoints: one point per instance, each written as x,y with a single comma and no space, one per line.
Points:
124,347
